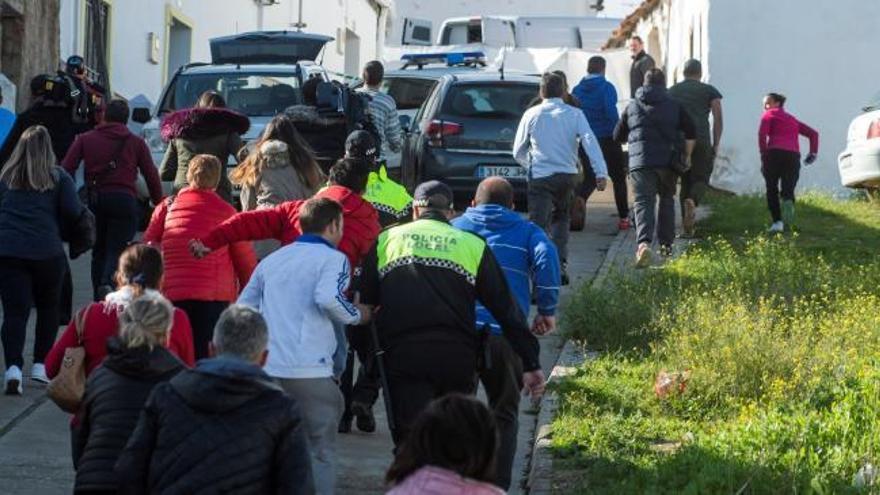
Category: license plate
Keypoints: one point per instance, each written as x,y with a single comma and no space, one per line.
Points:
511,172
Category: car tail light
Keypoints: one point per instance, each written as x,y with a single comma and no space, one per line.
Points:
874,130
436,130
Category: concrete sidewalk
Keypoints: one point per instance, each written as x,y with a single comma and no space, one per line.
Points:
34,433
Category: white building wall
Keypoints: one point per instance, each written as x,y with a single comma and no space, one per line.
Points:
437,11
132,74
817,55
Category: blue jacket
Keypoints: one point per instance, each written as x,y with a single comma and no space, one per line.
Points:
598,100
524,252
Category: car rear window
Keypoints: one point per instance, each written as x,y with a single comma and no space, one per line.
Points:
489,101
249,93
408,93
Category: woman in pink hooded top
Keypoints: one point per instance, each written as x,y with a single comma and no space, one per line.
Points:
450,449
781,157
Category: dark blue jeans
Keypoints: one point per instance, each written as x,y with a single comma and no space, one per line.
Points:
116,219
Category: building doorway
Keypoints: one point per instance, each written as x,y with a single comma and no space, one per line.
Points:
178,42
352,53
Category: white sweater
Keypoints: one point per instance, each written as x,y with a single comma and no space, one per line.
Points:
300,291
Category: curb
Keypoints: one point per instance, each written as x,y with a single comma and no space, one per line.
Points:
541,465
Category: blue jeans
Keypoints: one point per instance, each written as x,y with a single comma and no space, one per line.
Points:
116,222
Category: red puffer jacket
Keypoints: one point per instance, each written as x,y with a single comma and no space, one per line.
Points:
360,226
218,276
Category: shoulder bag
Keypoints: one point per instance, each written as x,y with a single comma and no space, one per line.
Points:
68,387
81,234
679,160
88,193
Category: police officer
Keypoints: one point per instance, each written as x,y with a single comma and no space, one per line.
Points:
427,277
389,198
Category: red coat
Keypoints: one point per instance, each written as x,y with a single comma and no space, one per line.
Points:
97,147
360,226
216,277
101,323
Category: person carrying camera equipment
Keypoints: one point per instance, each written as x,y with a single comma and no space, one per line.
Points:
87,96
329,113
50,108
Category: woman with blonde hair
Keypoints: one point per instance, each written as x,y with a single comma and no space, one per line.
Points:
115,393
281,167
203,288
37,201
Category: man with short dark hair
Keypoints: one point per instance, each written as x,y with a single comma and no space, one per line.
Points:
652,125
224,426
546,144
699,99
528,259
642,63
598,99
391,200
113,157
301,291
427,277
383,110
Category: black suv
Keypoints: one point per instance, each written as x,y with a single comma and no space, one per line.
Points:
464,132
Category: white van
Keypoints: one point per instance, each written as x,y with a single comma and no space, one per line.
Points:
583,32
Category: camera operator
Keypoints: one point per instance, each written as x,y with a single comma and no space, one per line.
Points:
50,108
329,113
88,96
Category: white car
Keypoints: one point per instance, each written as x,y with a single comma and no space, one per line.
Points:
859,163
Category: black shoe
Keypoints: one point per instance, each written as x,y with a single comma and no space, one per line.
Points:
345,424
364,414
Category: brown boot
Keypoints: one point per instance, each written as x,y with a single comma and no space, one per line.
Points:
688,218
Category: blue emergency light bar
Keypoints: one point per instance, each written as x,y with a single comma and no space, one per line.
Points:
449,58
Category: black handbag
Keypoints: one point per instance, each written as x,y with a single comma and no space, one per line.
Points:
678,160
81,234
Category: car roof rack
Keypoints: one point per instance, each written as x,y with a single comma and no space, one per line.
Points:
450,59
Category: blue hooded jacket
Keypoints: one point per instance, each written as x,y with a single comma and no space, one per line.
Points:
524,252
598,100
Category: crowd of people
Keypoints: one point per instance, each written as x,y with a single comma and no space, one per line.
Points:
224,337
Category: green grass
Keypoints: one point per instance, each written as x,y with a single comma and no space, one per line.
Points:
780,337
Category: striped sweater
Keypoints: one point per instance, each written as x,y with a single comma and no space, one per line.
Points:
383,111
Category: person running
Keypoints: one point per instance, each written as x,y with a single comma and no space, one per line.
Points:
347,180
224,426
546,144
451,449
115,393
49,108
528,258
113,157
698,99
641,64
651,125
598,101
208,128
427,277
390,199
301,291
37,201
202,288
781,158
383,111
280,168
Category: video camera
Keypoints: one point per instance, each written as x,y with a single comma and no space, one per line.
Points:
334,99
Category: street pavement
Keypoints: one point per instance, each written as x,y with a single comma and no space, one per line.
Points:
34,433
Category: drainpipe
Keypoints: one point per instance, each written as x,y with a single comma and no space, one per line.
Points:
259,15
381,22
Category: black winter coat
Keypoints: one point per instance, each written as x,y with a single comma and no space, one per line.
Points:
652,125
115,395
55,117
223,427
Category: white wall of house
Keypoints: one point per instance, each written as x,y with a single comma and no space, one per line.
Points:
817,55
132,73
437,11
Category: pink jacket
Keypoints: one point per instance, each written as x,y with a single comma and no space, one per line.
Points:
780,131
431,480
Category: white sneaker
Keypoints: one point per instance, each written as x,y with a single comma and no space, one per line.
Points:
38,373
12,381
776,228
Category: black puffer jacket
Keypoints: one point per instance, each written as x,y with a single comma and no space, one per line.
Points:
325,132
223,427
653,124
115,395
